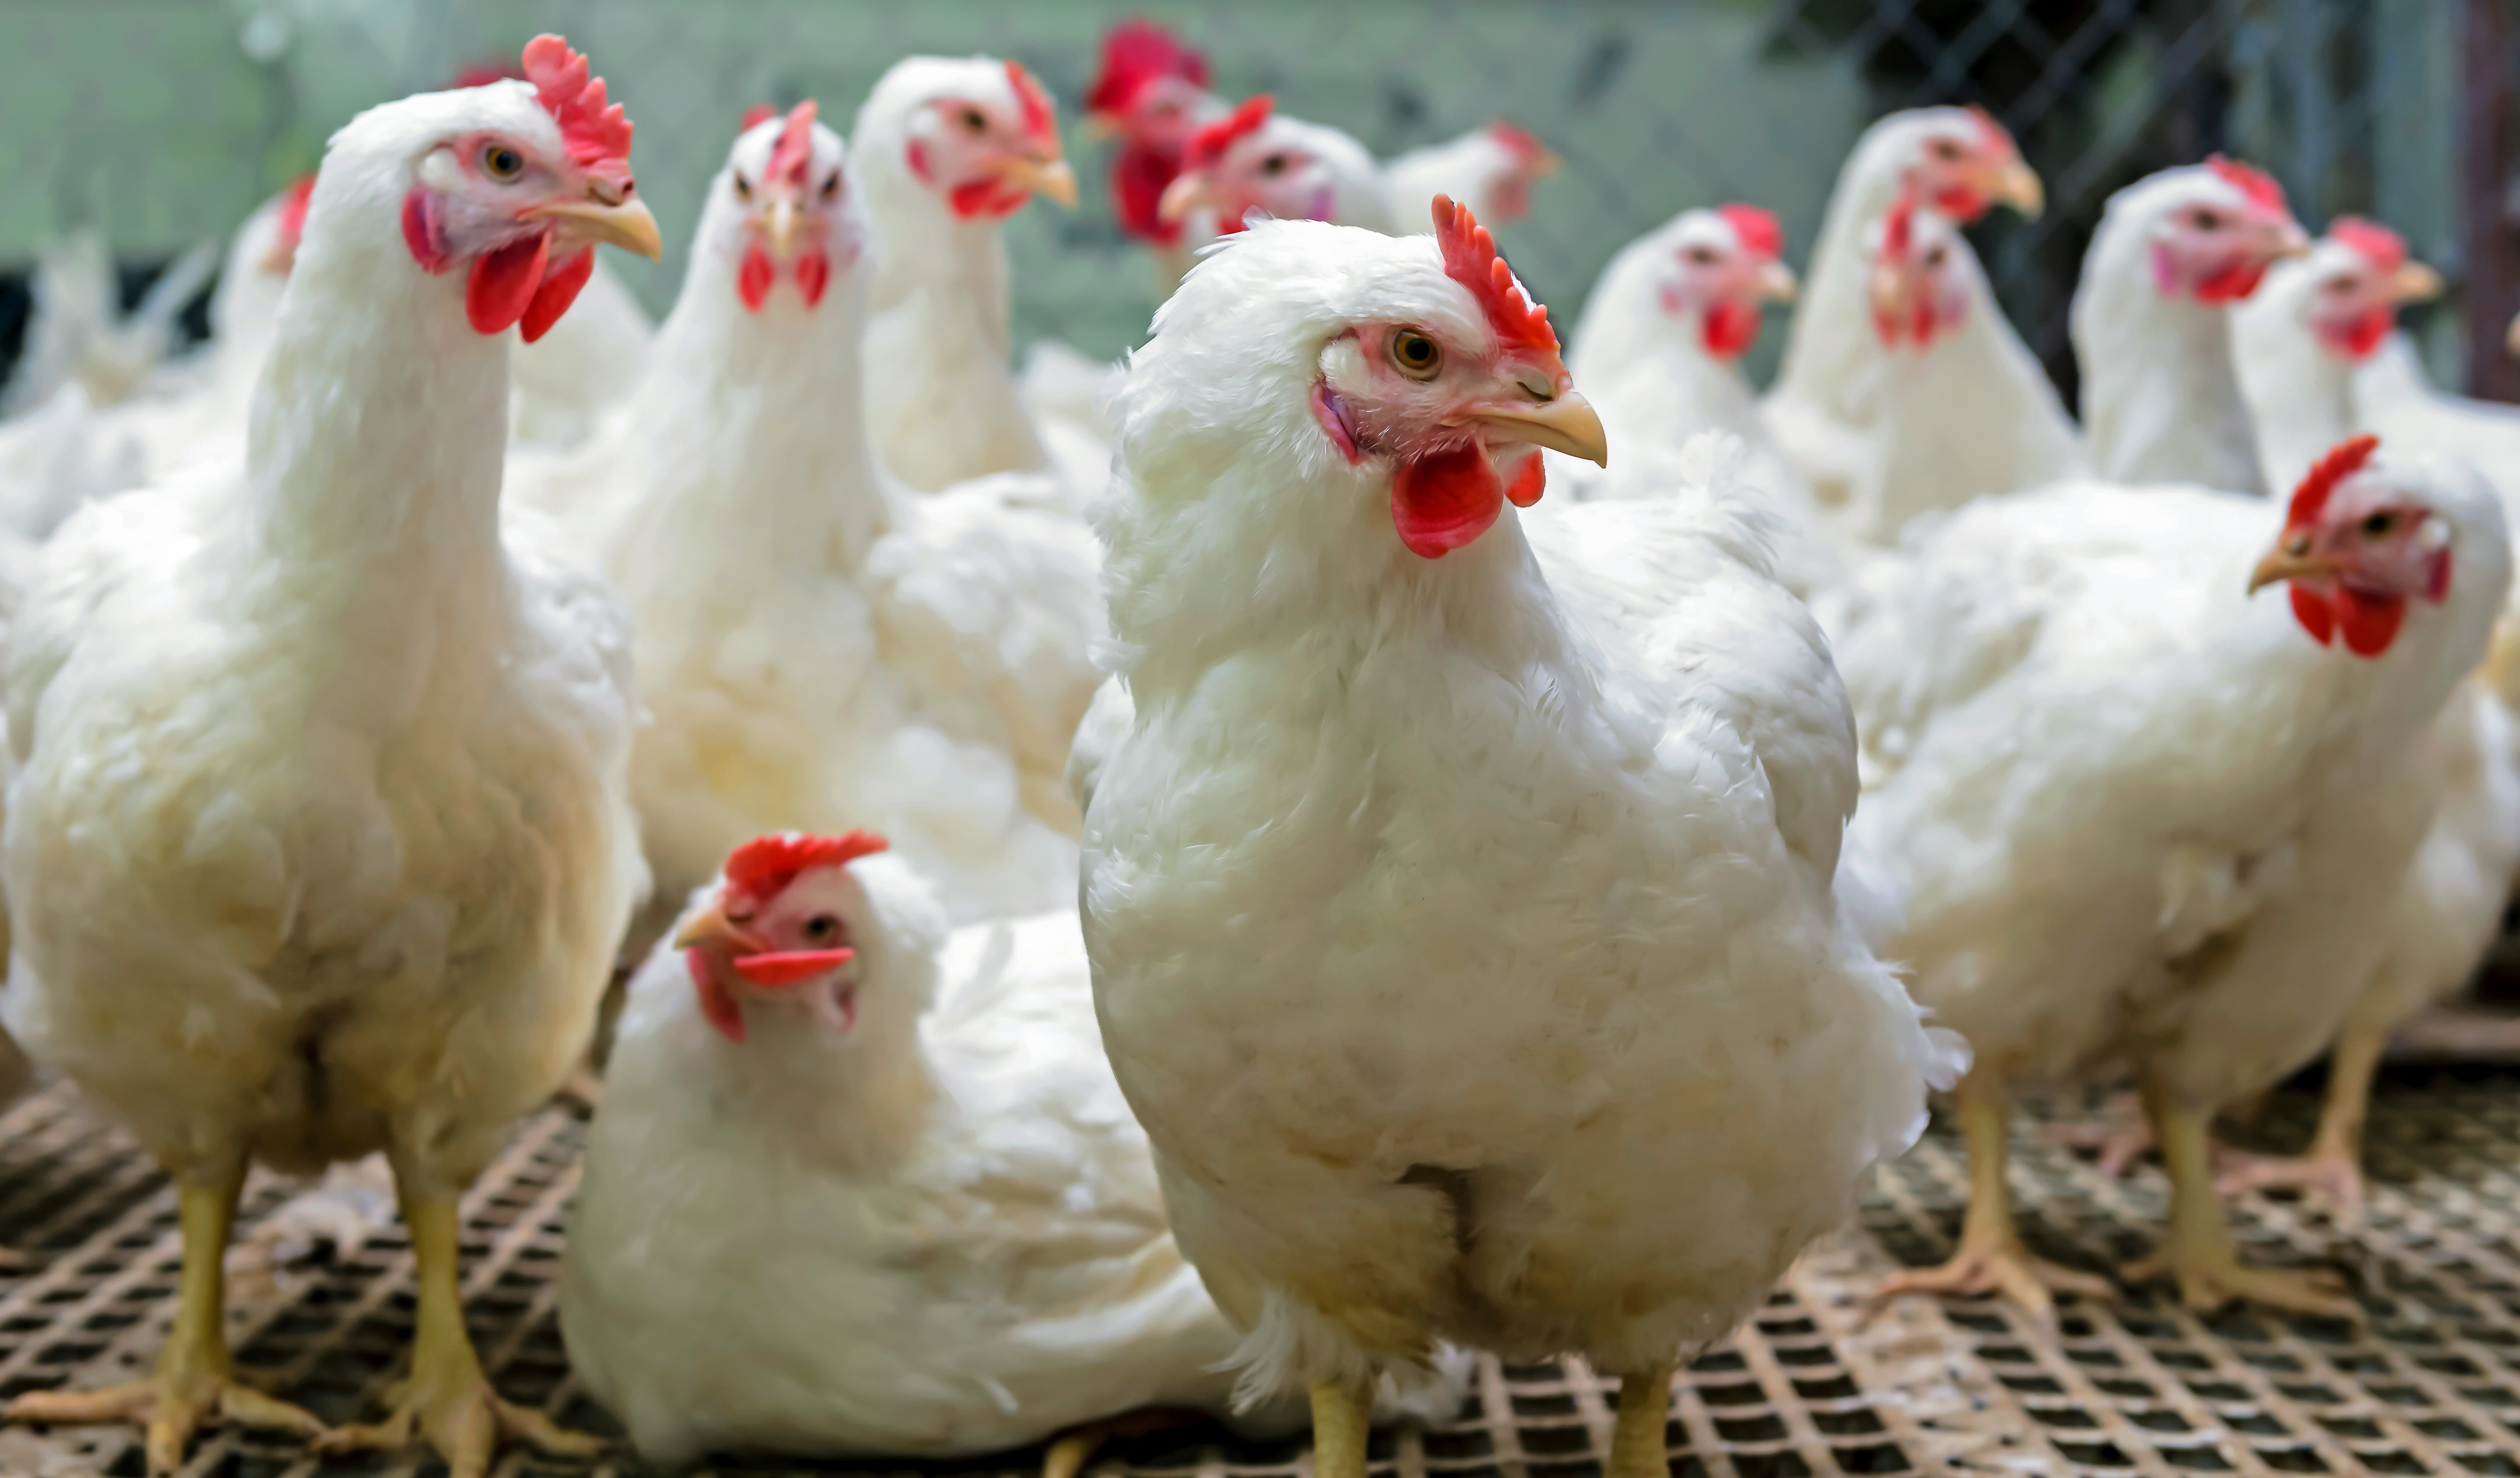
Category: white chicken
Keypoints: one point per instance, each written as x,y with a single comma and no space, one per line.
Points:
77,333
814,646
973,1245
1460,902
2173,252
1660,344
1965,410
2139,816
1488,170
1827,397
2297,344
946,149
319,837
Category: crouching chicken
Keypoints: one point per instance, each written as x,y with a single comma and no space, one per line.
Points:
318,840
1463,898
918,1128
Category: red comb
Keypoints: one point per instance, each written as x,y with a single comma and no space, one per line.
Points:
2255,183
594,133
794,150
1209,144
756,116
1040,119
2386,248
1756,229
293,210
2347,459
763,866
1135,53
1470,259
1517,141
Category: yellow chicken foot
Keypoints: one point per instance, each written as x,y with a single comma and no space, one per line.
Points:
447,1400
1066,1457
1342,1418
1639,1444
2332,1171
2200,1251
197,1383
1991,1257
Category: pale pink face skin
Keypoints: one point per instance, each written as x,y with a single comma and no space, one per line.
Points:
1712,275
1966,164
808,915
2380,540
791,230
2217,247
1267,171
1166,112
979,154
1384,402
2359,288
494,189
1924,294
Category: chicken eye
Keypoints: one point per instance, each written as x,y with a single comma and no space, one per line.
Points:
500,162
2208,221
1414,355
1273,164
1934,259
742,188
822,928
832,187
2379,526
975,122
1702,256
1946,150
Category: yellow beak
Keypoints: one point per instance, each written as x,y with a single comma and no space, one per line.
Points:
1568,425
2290,559
711,926
626,225
1186,194
1050,177
2017,185
1777,282
781,227
1100,126
2414,283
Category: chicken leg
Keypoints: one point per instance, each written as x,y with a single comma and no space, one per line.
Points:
2200,1251
1991,1257
446,1398
197,1383
1342,1418
2333,1168
1638,1446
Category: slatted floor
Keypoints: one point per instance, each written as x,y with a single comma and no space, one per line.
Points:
1822,1384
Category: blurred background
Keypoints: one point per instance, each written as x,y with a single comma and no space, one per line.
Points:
161,123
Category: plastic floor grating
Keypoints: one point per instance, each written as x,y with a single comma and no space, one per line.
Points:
1821,1384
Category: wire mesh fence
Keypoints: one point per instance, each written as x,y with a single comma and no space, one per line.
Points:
164,121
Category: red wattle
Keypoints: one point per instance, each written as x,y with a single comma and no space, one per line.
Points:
753,278
813,276
1137,180
788,966
1444,500
559,288
1731,330
503,283
1961,203
2312,610
2231,282
2370,622
2360,335
717,1002
993,199
1530,481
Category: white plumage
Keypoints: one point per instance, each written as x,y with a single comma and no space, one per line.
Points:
1463,928
967,1248
319,837
817,648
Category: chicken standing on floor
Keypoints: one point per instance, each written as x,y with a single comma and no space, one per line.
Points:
2297,344
974,1248
2141,813
946,149
2173,252
341,867
815,644
1461,900
1826,394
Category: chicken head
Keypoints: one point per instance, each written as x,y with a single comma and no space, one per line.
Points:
1724,268
2358,543
776,935
792,216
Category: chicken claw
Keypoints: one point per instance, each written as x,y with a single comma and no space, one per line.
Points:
1992,1265
2200,1251
447,1399
197,1383
2328,1176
